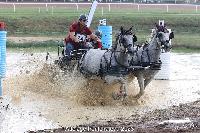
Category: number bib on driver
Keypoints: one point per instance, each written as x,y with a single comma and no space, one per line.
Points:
81,37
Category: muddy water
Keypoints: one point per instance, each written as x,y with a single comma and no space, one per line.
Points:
67,100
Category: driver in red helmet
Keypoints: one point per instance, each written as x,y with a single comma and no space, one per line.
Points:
78,32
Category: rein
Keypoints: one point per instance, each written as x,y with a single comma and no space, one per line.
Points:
149,63
118,61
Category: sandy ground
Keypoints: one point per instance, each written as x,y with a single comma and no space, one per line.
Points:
182,118
40,96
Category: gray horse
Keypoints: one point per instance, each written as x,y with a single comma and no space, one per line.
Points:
111,65
146,61
122,61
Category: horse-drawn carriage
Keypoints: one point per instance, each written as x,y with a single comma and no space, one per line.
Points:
142,63
67,62
63,60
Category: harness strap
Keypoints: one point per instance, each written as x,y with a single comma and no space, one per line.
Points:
110,65
147,51
119,62
101,72
148,55
81,60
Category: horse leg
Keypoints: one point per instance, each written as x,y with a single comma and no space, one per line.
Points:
147,81
122,92
140,79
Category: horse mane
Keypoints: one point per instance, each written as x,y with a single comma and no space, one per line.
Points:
114,46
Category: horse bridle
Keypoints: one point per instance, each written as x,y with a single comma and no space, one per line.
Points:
120,37
162,43
121,42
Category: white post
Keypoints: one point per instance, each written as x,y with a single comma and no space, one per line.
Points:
76,7
138,7
46,8
109,7
167,8
196,8
91,12
52,10
39,10
14,7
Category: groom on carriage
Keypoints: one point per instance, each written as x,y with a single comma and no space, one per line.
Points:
76,39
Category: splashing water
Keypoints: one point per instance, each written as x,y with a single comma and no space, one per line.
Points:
70,99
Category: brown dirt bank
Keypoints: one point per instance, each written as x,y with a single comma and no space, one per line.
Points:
187,116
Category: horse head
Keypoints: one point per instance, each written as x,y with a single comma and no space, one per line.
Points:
124,40
150,53
164,39
164,36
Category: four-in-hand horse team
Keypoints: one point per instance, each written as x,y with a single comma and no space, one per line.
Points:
123,60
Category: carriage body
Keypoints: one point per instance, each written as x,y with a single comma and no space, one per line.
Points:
63,62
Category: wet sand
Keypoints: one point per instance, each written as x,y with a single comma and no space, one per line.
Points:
62,99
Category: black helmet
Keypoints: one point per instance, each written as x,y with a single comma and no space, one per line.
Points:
83,17
98,33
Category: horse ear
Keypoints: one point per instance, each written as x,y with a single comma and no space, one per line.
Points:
134,38
156,25
121,29
131,28
171,35
129,31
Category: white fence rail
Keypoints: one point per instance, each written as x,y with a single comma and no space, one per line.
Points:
105,7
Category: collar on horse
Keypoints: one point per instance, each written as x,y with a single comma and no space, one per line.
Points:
119,69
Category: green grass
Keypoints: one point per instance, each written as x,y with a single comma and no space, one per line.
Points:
45,46
115,9
187,40
58,25
185,50
50,43
29,22
52,46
